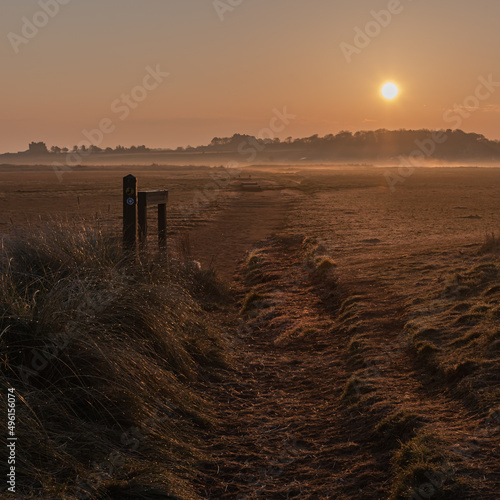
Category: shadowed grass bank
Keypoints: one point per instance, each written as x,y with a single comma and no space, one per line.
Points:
108,359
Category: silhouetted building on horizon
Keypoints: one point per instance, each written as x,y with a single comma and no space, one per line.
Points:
37,148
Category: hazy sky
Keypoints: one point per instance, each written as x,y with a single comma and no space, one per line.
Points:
230,68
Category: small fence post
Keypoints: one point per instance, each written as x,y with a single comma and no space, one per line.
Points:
143,218
129,212
162,226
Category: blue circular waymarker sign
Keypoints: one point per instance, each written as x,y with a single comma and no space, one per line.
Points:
130,201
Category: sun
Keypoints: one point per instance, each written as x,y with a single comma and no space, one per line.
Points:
390,91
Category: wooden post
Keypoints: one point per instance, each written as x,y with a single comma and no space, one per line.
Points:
143,218
162,225
129,212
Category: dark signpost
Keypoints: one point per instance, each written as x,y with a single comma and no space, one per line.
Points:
135,214
129,212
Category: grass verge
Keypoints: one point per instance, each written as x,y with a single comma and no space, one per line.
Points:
108,357
455,334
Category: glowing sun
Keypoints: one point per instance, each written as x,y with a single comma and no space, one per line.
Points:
390,91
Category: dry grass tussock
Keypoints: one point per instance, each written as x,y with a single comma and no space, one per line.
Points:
491,244
108,357
456,334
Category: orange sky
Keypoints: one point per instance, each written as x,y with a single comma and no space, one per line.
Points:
232,62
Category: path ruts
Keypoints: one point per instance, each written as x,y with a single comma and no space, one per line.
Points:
287,430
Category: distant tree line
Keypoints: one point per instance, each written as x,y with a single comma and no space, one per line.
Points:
41,148
371,144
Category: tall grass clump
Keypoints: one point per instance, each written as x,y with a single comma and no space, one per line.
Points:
491,244
108,357
423,469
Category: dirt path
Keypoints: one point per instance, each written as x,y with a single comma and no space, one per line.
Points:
289,432
317,372
282,437
251,217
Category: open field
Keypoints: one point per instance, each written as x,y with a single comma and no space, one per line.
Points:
351,208
362,326
29,193
444,203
